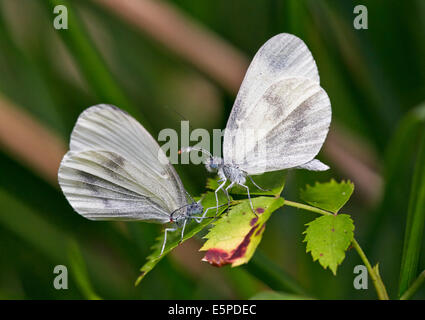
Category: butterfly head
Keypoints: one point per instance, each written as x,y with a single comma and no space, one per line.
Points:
195,208
213,163
192,209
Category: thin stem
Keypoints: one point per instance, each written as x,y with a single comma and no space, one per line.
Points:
414,287
306,207
374,274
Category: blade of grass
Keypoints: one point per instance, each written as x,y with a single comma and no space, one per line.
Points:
273,295
79,271
24,222
414,287
272,275
398,163
414,223
90,61
52,243
19,71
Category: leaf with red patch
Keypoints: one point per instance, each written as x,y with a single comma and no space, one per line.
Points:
173,239
234,238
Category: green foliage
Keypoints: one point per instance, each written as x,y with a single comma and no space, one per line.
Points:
79,271
272,182
173,239
415,223
328,237
90,62
330,196
273,295
272,274
234,238
27,223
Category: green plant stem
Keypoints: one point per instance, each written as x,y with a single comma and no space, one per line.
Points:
374,274
306,207
414,287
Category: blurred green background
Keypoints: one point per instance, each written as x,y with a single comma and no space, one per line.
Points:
162,59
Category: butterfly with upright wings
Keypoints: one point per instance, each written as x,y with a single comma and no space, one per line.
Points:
115,170
279,120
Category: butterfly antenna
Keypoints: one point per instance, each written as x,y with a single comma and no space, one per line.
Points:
189,149
190,197
178,209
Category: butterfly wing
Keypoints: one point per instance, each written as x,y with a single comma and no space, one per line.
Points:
287,129
281,115
116,170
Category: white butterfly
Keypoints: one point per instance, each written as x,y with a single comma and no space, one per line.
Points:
115,170
280,117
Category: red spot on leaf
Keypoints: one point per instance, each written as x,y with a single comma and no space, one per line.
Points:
241,249
333,229
261,229
259,210
219,257
216,257
321,254
253,221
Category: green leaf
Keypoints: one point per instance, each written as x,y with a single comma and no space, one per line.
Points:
273,182
234,238
328,237
30,226
91,63
272,275
173,239
415,223
79,271
400,157
273,295
330,196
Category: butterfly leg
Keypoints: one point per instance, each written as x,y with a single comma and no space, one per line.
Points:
165,238
227,195
199,219
216,195
184,226
249,197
